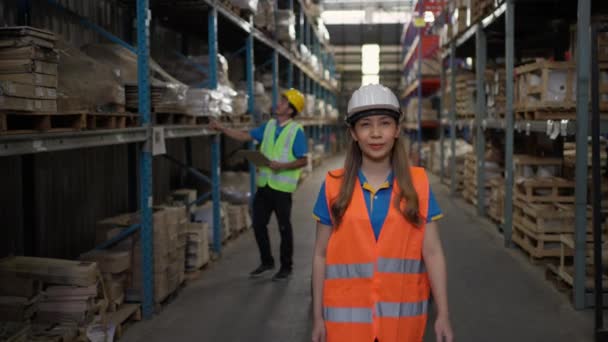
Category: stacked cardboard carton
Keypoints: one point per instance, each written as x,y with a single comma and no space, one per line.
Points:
114,266
19,298
28,70
70,291
165,250
197,247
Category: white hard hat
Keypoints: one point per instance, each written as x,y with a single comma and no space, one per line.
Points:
372,99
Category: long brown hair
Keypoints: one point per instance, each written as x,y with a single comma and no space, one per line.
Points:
407,201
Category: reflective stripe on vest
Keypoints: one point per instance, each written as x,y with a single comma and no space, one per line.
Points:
348,315
349,271
384,309
405,266
385,265
285,180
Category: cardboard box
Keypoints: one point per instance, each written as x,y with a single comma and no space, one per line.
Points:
30,52
15,89
55,271
42,80
109,261
27,105
13,285
17,66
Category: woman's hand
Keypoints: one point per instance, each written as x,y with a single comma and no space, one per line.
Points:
318,331
443,329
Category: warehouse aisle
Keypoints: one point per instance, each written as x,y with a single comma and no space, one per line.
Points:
495,294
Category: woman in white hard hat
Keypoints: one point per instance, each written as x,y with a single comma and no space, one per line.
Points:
377,254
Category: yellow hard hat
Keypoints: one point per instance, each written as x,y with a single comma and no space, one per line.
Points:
295,98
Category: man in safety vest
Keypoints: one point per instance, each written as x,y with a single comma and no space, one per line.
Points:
283,142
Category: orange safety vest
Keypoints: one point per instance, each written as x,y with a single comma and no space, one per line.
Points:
376,289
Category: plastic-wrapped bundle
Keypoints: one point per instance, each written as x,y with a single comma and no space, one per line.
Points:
87,84
125,61
240,103
203,102
309,108
320,108
248,5
286,25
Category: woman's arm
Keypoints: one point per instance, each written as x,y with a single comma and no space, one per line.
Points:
318,269
434,259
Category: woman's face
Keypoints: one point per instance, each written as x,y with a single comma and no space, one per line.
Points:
376,135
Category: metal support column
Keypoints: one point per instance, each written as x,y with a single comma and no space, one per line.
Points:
215,140
442,106
509,62
289,75
453,118
275,80
583,75
145,167
601,334
480,113
249,66
419,77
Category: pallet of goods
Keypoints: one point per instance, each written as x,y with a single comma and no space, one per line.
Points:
465,95
496,92
491,171
496,204
168,261
564,271
28,83
481,8
545,90
115,266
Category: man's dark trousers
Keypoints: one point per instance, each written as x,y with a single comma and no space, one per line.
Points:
266,201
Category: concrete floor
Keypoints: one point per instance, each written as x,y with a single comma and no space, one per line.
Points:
495,293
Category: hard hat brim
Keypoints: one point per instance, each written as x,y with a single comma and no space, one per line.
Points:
352,119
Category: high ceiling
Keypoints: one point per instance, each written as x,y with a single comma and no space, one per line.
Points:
353,23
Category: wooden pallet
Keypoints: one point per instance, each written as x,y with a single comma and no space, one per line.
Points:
160,118
545,190
24,123
537,246
125,315
543,218
111,120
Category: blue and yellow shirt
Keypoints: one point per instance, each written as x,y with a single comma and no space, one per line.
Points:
377,202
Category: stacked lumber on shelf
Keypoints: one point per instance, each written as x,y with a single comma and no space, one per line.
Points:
28,70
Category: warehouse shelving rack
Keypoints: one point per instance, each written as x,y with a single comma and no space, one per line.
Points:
145,135
474,42
420,43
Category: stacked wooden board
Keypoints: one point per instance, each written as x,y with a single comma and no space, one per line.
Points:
28,83
54,297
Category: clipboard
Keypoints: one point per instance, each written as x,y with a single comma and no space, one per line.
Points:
255,157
